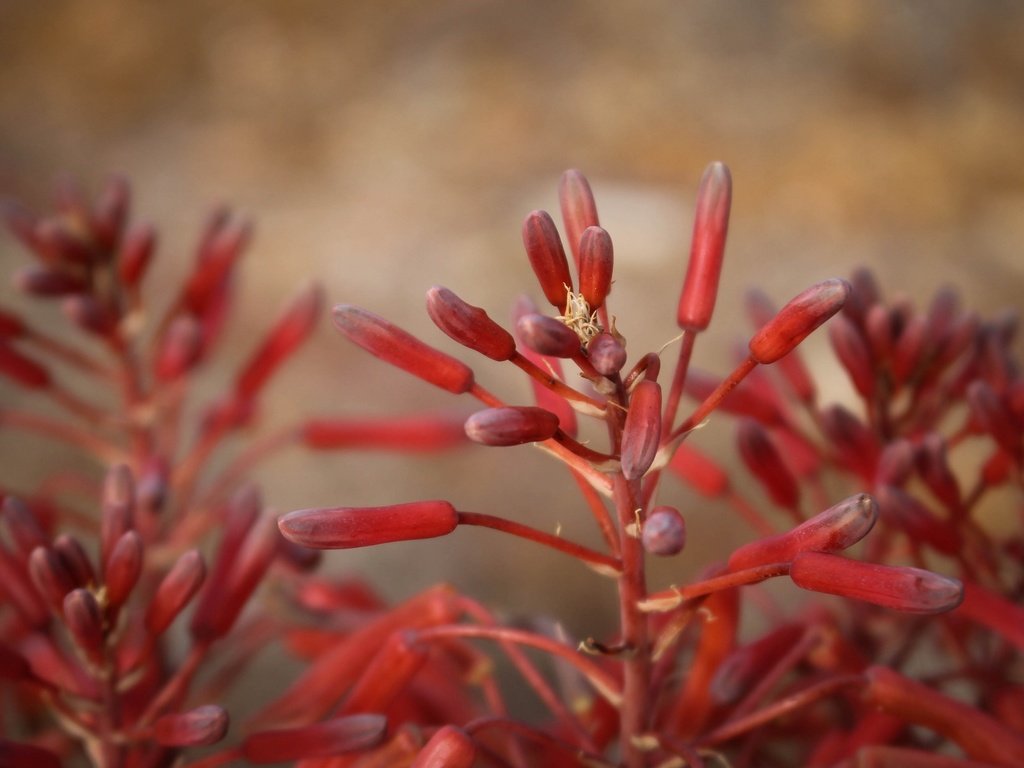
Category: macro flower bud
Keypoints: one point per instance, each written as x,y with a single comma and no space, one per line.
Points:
901,588
853,352
511,425
75,560
49,576
642,431
387,675
135,254
468,325
223,242
761,310
124,566
348,527
606,354
406,433
835,529
664,532
907,513
547,257
543,395
744,666
23,369
203,725
110,212
44,281
180,348
994,417
391,344
698,471
449,747
85,623
176,588
118,507
23,525
707,248
579,210
547,336
18,591
764,460
320,740
896,462
596,262
89,315
797,319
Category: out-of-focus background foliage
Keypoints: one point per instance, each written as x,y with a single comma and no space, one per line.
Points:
383,147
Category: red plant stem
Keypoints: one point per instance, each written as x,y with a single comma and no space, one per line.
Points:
670,598
675,390
486,397
554,384
633,623
87,441
603,683
175,686
134,396
506,725
713,400
513,528
600,512
581,450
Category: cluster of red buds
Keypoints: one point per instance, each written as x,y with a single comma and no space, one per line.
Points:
918,663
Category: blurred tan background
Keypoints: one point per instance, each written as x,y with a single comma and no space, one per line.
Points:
386,146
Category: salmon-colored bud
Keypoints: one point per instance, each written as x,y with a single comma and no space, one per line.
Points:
449,747
853,352
23,369
177,587
664,532
699,472
50,577
409,433
84,621
896,462
906,513
469,325
135,255
23,526
387,675
547,336
607,354
13,665
547,257
89,315
742,669
511,425
761,310
75,560
290,329
642,431
579,210
11,325
333,737
763,459
43,281
391,344
994,417
596,263
901,588
197,727
14,754
348,527
978,734
707,248
797,319
180,348
833,530
123,568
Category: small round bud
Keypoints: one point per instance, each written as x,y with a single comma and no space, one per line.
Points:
664,532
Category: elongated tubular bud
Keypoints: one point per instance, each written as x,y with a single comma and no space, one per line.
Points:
856,445
75,560
578,208
912,590
547,336
763,459
23,526
222,243
908,354
89,315
43,281
176,588
707,248
642,430
468,325
408,433
607,354
135,255
761,310
449,747
853,352
699,472
50,577
547,257
333,737
349,527
664,532
22,369
387,675
797,319
906,513
203,725
14,754
837,528
391,344
288,332
85,623
180,348
878,331
109,214
16,589
745,665
511,425
978,734
596,263
995,418
896,462
118,509
123,569
543,394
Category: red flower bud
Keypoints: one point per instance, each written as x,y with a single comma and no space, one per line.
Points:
17,591
85,623
44,281
664,532
607,354
387,675
449,747
901,588
743,400
135,254
74,559
547,336
905,512
578,208
855,355
176,588
333,737
543,396
110,212
22,369
896,462
222,243
797,319
547,257
835,529
642,431
197,727
50,577
596,262
407,433
468,325
89,315
761,310
698,471
123,569
390,343
511,425
118,503
348,527
23,526
763,459
180,348
995,418
746,665
710,225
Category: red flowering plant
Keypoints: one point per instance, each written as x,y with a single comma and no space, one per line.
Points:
919,665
